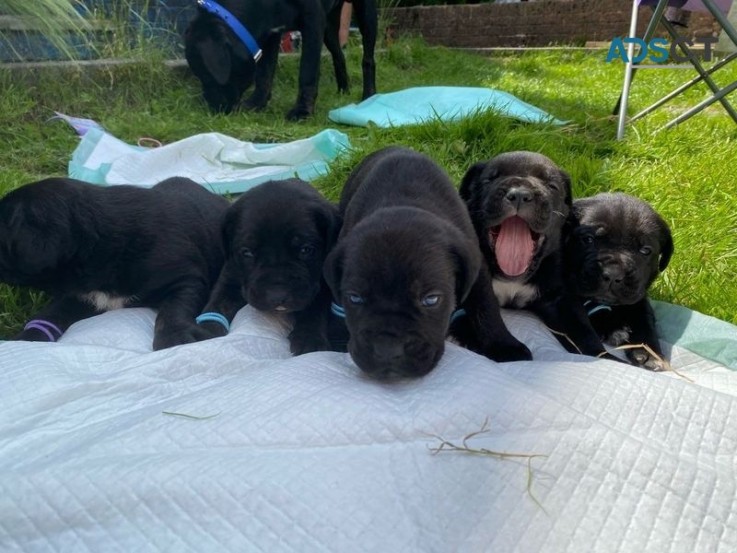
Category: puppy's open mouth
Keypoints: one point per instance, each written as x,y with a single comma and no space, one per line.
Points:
515,245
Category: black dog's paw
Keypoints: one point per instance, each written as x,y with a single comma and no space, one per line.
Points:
510,351
643,358
307,342
298,113
182,334
254,104
211,330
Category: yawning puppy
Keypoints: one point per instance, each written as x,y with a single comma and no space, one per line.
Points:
519,202
616,248
96,248
276,237
405,261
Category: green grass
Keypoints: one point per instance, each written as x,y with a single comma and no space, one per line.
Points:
687,173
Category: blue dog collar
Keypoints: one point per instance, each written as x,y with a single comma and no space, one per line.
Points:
339,311
235,25
593,307
211,317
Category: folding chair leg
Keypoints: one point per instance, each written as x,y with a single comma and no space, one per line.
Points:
727,27
703,105
685,87
621,108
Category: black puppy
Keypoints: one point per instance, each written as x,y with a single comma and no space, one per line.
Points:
236,42
97,248
615,249
405,261
276,237
519,202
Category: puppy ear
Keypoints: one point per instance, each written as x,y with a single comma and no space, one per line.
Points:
469,180
329,222
666,243
332,270
466,256
566,182
215,56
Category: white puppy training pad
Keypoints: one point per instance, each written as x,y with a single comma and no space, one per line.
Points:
265,452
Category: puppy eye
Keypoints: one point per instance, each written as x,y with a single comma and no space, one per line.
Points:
306,251
355,299
246,252
646,250
430,300
587,239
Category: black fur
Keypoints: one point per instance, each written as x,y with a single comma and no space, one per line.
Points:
226,68
615,249
86,245
406,259
276,237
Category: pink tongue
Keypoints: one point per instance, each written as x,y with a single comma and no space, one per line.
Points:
514,247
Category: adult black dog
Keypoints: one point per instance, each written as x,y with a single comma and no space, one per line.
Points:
276,237
97,248
224,42
406,259
616,248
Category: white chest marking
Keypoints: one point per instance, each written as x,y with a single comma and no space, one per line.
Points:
514,294
103,301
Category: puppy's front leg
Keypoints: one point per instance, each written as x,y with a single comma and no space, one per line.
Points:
487,333
53,320
569,322
226,299
175,321
310,331
642,325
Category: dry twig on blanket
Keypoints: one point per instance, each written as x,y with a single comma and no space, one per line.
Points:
445,445
666,365
193,417
557,333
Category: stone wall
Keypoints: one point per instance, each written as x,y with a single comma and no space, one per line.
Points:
541,23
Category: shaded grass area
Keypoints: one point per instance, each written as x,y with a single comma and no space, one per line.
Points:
686,173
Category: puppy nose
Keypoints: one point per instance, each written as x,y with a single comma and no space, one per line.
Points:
276,296
612,274
518,196
387,350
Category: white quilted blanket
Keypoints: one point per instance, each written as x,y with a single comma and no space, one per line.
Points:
232,445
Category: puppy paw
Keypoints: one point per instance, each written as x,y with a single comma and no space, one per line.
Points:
254,104
642,358
31,335
306,343
181,335
503,353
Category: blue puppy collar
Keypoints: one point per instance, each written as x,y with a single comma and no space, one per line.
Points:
211,317
593,307
236,26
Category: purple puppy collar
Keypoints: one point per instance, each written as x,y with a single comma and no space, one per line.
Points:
47,328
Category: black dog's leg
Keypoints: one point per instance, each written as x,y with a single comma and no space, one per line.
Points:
310,332
313,33
175,321
264,76
641,319
332,42
367,19
569,322
62,313
482,329
226,299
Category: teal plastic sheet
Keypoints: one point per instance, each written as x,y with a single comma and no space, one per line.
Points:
219,162
416,105
706,336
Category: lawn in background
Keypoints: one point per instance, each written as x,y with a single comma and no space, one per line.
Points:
688,173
